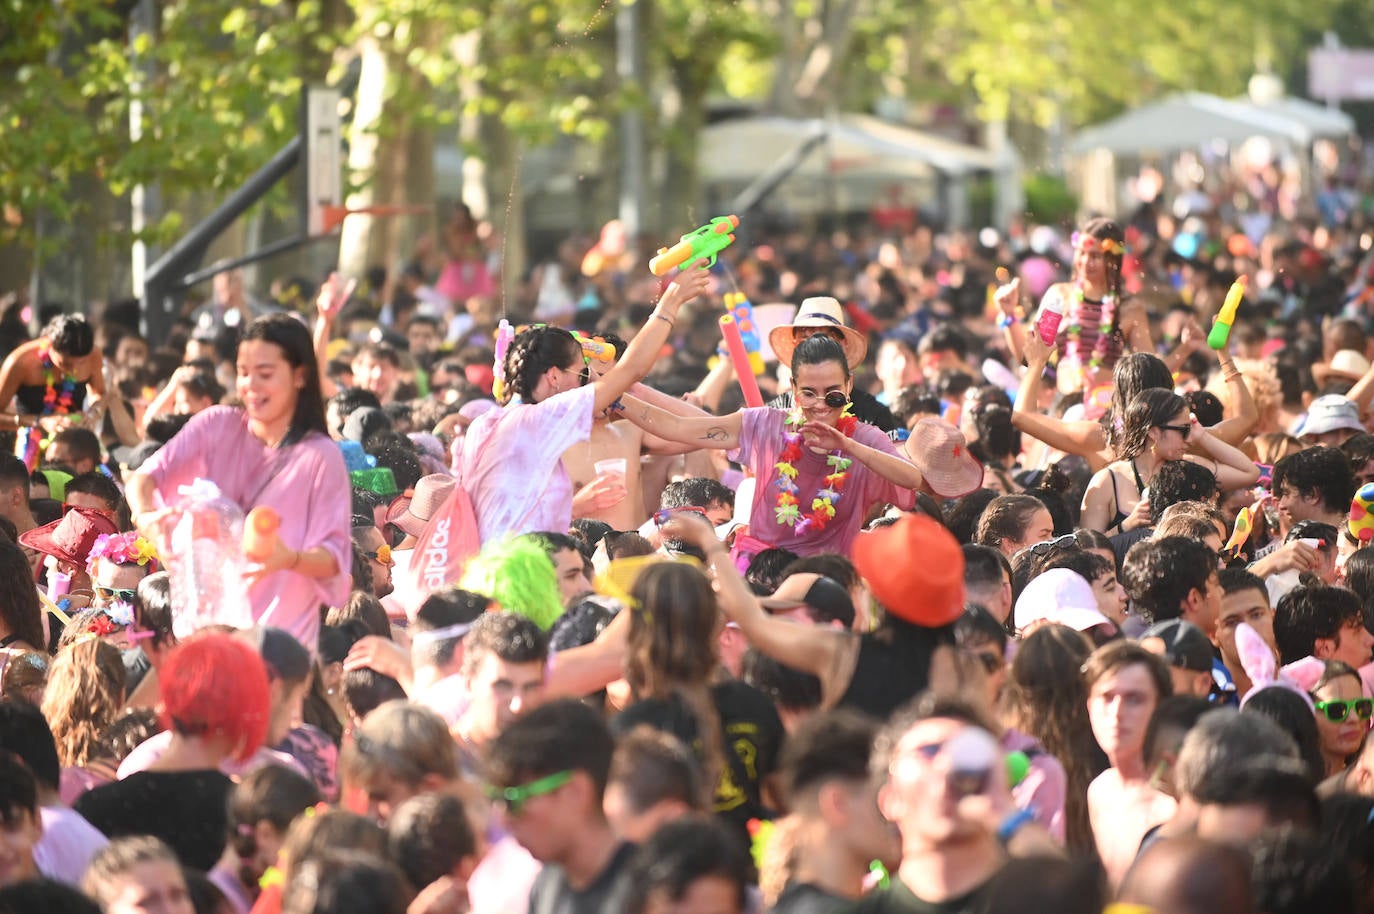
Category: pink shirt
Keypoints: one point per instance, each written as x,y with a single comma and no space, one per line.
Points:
461,280
150,750
512,463
761,444
67,846
306,483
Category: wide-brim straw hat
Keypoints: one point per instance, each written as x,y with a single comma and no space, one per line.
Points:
821,312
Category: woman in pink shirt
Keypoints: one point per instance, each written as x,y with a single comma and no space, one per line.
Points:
511,465
275,451
819,469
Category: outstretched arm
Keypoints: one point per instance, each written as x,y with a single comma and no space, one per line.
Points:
1236,429
809,649
333,294
644,349
697,432
1082,438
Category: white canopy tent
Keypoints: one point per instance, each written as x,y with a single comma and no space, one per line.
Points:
858,159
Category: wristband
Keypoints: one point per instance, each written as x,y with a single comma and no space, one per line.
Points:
1012,824
1006,320
667,320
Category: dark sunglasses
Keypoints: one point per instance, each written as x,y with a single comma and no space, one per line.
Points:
1040,550
1337,711
1183,430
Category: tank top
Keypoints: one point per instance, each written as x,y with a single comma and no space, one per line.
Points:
1090,330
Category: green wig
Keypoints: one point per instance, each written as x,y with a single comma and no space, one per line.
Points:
517,573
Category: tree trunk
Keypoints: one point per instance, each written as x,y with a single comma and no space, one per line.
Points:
364,142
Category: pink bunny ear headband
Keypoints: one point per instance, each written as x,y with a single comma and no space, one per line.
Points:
1257,659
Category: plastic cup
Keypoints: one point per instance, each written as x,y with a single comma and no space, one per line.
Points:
613,467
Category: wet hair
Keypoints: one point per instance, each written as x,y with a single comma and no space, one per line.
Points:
1006,518
1147,410
214,684
365,609
84,694
70,334
428,836
1305,614
365,690
1321,471
25,732
292,337
533,352
818,349
1160,573
652,766
1359,577
1135,372
560,735
19,606
964,517
680,853
978,626
997,437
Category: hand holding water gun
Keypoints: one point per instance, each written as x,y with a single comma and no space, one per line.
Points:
704,243
1221,329
595,348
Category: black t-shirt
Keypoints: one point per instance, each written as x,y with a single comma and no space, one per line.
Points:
186,809
893,668
551,893
752,737
804,898
898,899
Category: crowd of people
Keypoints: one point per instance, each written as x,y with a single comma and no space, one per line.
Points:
1014,595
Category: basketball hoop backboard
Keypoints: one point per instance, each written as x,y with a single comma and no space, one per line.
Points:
322,185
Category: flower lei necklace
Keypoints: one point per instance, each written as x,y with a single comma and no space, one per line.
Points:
1105,326
788,511
57,399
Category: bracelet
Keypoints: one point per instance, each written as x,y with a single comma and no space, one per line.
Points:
667,320
1007,320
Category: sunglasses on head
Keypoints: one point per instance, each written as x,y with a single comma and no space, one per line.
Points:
1337,711
1042,549
1183,430
515,798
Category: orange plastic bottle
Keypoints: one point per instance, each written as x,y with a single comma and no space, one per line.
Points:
260,533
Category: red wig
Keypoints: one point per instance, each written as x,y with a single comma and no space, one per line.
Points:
216,685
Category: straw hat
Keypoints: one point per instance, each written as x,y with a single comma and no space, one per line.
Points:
818,312
412,510
940,452
1347,364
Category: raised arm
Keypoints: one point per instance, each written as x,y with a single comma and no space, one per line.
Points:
333,295
1236,429
720,432
1233,469
644,349
1082,438
809,649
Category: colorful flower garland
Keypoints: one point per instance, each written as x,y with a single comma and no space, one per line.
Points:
57,401
121,549
1105,325
788,511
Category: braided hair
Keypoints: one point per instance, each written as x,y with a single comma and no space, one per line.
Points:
533,352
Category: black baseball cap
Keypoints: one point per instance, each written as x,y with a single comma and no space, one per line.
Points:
825,595
1185,646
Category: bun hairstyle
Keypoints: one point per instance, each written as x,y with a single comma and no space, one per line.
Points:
533,352
818,349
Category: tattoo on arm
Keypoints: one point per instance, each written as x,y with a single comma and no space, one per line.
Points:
714,433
